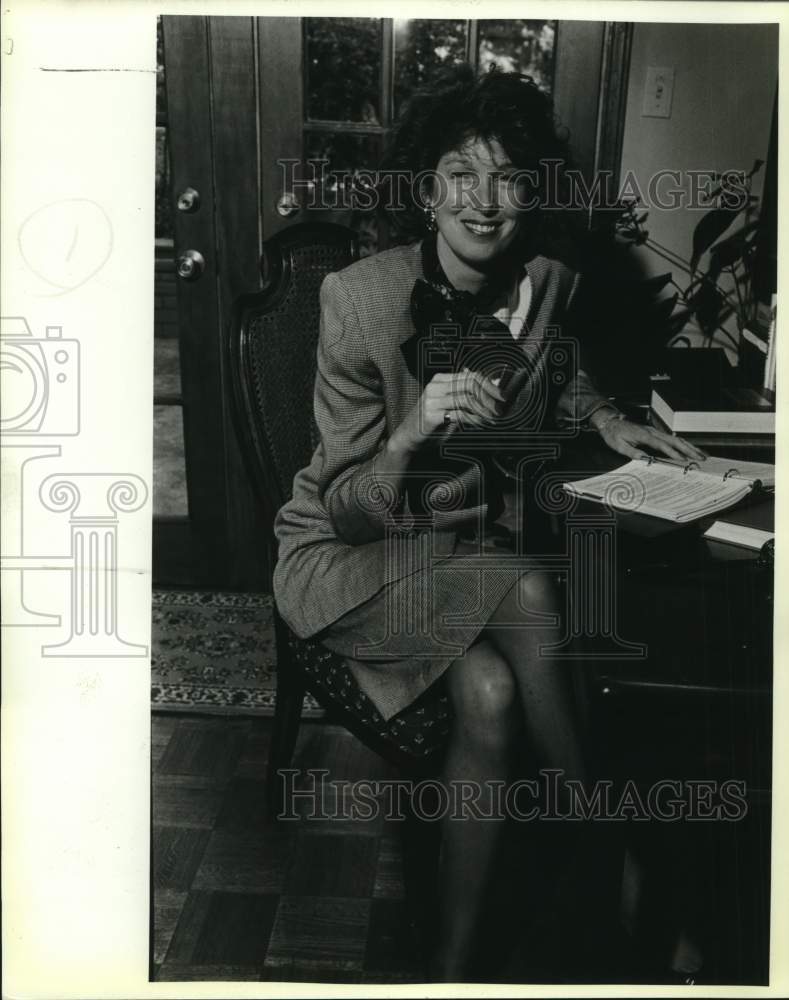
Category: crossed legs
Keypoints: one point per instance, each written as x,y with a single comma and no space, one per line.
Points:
501,682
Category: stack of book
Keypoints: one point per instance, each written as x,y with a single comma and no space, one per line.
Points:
702,397
716,416
757,350
718,410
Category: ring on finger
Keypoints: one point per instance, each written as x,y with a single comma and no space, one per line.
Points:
447,418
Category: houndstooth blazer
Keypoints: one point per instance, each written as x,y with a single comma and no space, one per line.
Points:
332,534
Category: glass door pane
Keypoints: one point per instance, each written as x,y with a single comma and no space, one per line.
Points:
337,157
422,49
522,46
169,461
347,102
343,59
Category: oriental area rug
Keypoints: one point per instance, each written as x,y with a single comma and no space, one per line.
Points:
215,653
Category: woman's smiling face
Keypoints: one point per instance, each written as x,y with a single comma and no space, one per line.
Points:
478,205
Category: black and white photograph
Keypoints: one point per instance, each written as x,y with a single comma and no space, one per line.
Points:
463,500
390,591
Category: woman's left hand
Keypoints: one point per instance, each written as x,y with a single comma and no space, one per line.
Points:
628,438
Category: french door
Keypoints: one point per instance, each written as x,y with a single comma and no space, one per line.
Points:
209,532
244,105
333,87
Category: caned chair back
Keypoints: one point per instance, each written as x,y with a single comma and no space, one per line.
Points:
272,350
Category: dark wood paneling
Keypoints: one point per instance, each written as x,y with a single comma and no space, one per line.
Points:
614,80
766,264
188,551
576,89
615,76
234,118
179,556
165,306
235,150
281,111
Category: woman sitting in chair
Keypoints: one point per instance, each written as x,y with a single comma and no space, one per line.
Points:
377,546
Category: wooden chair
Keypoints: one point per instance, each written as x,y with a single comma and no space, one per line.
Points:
272,361
272,351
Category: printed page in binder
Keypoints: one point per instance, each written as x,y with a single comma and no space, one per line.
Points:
762,472
663,489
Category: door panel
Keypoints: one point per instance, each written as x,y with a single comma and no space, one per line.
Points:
281,110
579,51
208,65
185,549
234,144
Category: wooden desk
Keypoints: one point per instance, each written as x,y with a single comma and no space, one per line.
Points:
696,707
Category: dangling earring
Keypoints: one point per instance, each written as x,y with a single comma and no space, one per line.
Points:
430,218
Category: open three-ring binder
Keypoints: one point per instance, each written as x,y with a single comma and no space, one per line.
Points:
675,491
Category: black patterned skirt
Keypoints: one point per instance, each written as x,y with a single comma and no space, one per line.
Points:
411,736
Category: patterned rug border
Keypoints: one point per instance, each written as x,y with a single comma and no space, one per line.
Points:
234,701
210,598
206,699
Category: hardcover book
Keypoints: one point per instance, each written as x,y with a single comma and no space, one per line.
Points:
720,410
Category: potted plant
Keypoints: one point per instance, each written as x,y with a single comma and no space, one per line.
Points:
722,289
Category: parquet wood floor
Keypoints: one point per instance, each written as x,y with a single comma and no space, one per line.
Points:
313,900
239,898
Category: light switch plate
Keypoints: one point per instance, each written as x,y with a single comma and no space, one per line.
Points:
658,92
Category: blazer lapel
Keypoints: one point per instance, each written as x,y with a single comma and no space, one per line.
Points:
412,271
539,271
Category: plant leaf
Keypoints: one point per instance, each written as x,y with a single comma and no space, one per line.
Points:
757,166
711,225
657,283
732,248
665,308
707,303
642,289
677,321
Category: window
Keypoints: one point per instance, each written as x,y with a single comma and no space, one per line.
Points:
359,71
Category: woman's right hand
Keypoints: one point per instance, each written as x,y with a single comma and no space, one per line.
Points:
450,400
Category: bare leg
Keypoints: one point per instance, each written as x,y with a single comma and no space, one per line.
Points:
543,684
483,693
503,668
545,691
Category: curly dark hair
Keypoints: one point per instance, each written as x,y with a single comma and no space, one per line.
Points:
459,106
